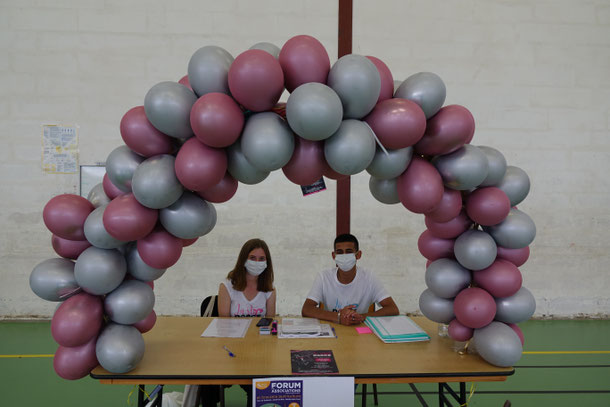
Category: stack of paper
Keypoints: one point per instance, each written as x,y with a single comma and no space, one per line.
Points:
227,328
396,329
304,328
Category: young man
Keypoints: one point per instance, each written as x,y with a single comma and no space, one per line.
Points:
347,290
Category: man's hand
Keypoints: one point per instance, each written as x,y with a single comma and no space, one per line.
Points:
349,316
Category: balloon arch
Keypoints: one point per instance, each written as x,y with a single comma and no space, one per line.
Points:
159,190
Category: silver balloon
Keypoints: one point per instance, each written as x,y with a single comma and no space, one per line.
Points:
168,108
314,111
208,70
120,166
517,308
435,308
356,80
188,218
515,232
390,165
119,348
384,190
96,233
427,89
99,271
130,302
97,196
496,166
516,184
137,268
351,149
498,344
463,169
154,182
267,141
475,249
397,84
53,280
268,47
446,278
240,168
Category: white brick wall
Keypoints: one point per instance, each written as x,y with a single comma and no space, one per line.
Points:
535,74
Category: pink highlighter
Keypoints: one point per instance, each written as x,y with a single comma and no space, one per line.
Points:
274,327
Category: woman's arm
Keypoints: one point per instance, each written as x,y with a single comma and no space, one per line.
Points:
271,304
224,301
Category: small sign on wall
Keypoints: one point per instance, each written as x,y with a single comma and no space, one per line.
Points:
59,149
317,186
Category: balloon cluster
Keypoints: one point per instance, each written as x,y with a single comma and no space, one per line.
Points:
194,140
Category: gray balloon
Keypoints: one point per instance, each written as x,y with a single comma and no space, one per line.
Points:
267,141
351,149
475,249
446,278
99,271
97,196
119,348
137,268
356,80
463,169
130,302
314,111
96,233
240,168
498,344
154,182
435,308
518,307
168,108
384,190
390,165
188,218
427,89
516,184
268,47
515,232
496,166
208,70
120,166
53,280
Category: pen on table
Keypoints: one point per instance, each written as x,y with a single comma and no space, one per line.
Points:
334,332
230,353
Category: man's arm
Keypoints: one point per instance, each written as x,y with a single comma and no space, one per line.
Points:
311,310
388,307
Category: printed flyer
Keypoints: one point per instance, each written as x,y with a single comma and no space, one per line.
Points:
278,393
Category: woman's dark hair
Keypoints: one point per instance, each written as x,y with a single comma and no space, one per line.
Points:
238,274
346,237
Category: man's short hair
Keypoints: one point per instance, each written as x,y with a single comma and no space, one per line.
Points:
346,237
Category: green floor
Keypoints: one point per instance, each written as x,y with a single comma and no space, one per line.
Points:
556,379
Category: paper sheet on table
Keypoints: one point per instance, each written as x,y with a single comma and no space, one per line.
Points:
326,331
227,328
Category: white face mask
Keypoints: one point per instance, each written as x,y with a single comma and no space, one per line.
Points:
255,268
345,262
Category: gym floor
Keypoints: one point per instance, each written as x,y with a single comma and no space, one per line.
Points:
565,363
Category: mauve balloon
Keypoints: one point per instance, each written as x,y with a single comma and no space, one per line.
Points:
65,215
306,165
141,136
160,249
420,187
450,229
387,81
147,323
448,208
73,363
221,192
398,123
447,131
459,332
474,307
501,279
77,320
303,59
217,120
198,166
487,206
516,256
70,249
433,248
111,190
126,219
185,81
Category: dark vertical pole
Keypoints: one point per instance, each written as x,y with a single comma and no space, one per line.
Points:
345,47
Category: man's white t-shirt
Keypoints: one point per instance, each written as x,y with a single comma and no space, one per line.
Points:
364,290
241,307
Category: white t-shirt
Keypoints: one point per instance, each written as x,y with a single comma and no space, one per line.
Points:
241,307
364,290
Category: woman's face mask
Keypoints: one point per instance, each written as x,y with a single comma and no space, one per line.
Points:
346,261
255,268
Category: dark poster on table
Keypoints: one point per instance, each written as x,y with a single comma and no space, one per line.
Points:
312,362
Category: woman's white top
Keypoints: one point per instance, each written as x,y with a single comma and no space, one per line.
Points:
241,307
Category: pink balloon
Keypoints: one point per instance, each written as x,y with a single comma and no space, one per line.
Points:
188,242
199,167
127,220
450,229
111,190
420,187
332,174
256,80
488,206
65,215
141,136
147,323
519,332
446,131
73,363
516,256
474,307
459,332
160,249
434,248
70,249
448,208
303,59
397,123
217,119
501,279
185,81
387,81
221,192
77,320
307,163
